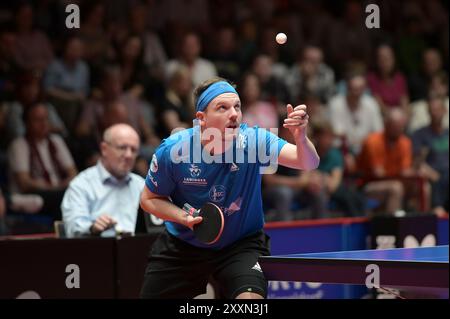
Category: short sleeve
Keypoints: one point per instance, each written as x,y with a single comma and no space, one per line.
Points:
337,161
51,77
269,146
159,179
19,156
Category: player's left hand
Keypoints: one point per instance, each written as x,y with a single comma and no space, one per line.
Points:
297,120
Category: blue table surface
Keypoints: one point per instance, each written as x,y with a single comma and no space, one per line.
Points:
437,254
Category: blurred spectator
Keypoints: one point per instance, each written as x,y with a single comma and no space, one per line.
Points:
311,75
438,87
225,55
316,110
351,67
40,162
281,55
20,203
443,41
134,74
2,215
17,203
420,82
117,113
256,111
104,199
348,37
223,12
89,128
248,42
158,14
45,16
273,87
353,117
436,19
410,41
262,11
93,33
327,180
289,22
387,84
315,189
387,155
316,22
67,77
28,92
288,190
66,81
282,191
188,14
154,56
8,66
4,140
431,155
178,107
200,69
33,50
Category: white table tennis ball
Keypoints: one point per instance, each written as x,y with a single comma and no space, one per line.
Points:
281,38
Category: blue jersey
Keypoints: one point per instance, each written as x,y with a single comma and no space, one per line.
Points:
231,180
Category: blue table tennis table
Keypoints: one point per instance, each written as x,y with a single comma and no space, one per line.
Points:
423,269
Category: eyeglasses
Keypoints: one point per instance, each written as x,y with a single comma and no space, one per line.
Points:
123,148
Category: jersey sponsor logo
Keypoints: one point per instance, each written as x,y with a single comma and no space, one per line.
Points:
195,170
195,181
234,207
153,181
154,164
241,141
217,193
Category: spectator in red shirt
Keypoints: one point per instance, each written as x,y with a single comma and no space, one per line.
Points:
387,84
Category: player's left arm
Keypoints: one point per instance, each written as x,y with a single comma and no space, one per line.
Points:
303,154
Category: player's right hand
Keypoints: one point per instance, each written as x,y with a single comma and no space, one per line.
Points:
191,221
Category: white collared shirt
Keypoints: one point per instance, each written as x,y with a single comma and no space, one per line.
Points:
95,192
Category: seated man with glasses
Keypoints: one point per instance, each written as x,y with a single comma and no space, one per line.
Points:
104,199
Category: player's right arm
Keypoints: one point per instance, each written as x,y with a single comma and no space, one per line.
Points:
159,185
163,208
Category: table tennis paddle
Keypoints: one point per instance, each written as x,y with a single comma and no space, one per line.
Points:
210,228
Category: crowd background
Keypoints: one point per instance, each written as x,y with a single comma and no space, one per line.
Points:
377,98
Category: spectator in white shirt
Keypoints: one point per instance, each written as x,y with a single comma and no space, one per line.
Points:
354,116
200,69
40,162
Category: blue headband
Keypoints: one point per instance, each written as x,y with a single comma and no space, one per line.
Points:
211,92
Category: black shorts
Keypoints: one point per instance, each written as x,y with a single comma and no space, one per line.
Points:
178,270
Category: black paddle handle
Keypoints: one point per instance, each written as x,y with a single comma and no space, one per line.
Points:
190,210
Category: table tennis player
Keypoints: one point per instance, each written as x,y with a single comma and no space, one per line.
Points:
220,161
